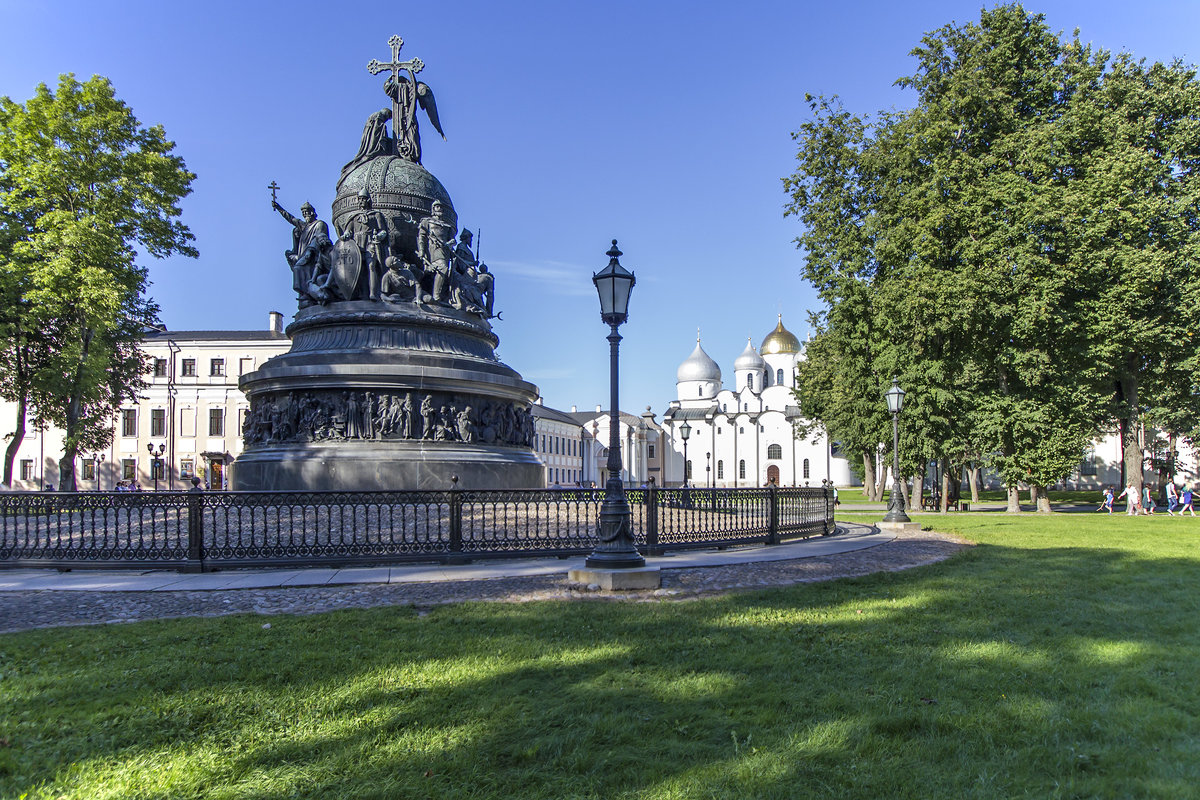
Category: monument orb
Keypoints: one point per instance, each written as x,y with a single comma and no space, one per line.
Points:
392,380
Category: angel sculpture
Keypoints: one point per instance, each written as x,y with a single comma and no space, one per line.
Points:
408,93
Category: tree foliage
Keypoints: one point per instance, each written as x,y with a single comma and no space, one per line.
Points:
1017,247
84,187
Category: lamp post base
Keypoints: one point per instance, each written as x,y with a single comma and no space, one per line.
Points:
898,527
617,579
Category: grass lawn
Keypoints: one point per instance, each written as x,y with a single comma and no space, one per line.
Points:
1059,658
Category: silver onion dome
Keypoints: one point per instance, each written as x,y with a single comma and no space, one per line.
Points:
749,359
698,367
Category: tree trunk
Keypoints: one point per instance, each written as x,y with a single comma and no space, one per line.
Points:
1014,500
1042,499
973,479
945,500
66,467
1131,434
868,459
918,489
18,436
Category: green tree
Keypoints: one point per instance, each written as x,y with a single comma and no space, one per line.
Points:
93,187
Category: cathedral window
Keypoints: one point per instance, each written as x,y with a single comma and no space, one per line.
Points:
742,468
700,391
774,451
779,376
806,469
720,470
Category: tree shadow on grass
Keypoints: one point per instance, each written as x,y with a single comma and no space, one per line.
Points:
1003,672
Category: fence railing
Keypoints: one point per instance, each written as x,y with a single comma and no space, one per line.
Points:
197,531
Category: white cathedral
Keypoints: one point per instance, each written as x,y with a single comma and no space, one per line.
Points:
745,436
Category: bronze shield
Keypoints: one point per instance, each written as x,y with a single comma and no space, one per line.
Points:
347,267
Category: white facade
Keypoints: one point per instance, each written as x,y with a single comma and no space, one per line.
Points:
559,442
744,436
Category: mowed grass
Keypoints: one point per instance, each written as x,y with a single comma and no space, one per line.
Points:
1059,658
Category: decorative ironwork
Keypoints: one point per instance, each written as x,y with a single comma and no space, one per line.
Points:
194,531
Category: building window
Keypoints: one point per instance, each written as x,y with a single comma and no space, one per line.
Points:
216,422
160,368
806,469
26,469
700,391
750,382
187,468
128,469
720,470
1088,465
89,470
741,429
649,451
779,376
129,422
158,422
687,472
216,367
245,365
543,442
774,451
187,368
745,406
742,468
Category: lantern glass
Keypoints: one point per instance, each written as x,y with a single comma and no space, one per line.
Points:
895,397
685,431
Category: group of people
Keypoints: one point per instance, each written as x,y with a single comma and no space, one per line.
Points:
1143,502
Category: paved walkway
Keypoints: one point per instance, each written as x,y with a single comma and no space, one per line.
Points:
46,598
850,537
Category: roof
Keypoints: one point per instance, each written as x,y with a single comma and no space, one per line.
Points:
545,412
584,417
210,336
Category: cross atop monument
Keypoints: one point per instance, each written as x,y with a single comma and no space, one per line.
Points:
412,66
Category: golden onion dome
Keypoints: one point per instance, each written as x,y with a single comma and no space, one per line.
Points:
780,340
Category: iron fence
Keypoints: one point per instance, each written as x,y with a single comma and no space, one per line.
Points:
197,531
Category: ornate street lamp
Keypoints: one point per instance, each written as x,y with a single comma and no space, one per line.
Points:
156,463
708,470
895,403
97,460
616,549
685,432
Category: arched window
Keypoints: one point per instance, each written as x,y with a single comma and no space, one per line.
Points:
750,382
742,468
700,390
779,376
720,470
806,469
689,469
774,451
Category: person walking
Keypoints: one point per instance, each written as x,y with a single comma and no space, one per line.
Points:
1107,503
1185,501
1172,497
1148,500
1132,501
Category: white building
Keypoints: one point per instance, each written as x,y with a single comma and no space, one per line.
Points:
191,410
744,436
560,444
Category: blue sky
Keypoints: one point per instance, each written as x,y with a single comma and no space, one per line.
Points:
663,124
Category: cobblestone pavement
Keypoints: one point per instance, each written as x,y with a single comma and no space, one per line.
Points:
23,610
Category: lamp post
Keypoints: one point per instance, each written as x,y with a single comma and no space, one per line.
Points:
895,403
156,463
616,549
685,432
708,470
97,460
